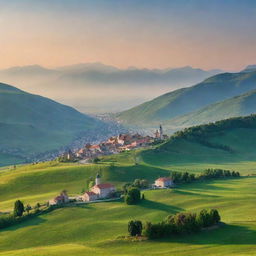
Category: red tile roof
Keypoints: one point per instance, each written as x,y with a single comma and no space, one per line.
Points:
164,179
103,186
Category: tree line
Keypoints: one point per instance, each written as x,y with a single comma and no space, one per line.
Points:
178,224
21,213
185,177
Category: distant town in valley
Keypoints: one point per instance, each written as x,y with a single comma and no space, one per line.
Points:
113,145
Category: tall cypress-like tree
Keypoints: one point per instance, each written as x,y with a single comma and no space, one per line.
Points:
18,209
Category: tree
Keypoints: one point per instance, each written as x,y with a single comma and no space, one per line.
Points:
135,227
91,184
37,206
18,209
204,218
96,160
133,196
215,216
136,183
28,208
144,183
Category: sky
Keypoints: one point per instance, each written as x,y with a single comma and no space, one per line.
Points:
147,34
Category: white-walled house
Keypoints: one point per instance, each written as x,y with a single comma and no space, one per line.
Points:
164,182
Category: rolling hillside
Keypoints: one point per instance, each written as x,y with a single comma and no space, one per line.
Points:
242,105
32,125
227,141
96,228
186,100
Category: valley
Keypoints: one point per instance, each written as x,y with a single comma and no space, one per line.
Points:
128,128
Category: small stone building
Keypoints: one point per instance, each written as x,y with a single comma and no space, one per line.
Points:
89,196
61,199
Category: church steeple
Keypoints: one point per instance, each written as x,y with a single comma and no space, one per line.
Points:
97,180
161,132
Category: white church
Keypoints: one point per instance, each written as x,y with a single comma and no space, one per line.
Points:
99,191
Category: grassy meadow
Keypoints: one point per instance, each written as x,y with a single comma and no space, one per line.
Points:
95,228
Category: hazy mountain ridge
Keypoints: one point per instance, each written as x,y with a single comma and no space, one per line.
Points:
183,101
31,125
79,85
241,105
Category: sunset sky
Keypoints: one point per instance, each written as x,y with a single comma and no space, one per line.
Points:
145,34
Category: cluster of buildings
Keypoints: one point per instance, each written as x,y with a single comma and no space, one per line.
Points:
98,191
115,145
104,191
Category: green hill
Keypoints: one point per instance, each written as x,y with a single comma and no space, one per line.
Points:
32,125
227,141
95,228
242,105
186,100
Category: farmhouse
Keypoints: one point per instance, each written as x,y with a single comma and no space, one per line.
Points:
99,191
164,182
61,199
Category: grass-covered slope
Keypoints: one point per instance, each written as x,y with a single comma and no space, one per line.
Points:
183,101
242,105
31,124
93,229
231,140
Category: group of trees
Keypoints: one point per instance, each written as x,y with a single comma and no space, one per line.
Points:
218,173
18,215
132,194
180,223
140,183
185,177
137,183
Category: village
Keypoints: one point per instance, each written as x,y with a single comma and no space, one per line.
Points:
113,145
104,192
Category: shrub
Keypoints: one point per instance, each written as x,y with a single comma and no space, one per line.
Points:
133,196
135,228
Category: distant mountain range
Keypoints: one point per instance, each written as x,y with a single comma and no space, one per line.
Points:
115,89
31,125
193,105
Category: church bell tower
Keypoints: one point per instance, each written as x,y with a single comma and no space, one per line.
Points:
97,180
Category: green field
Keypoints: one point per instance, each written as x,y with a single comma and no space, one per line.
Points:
95,228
